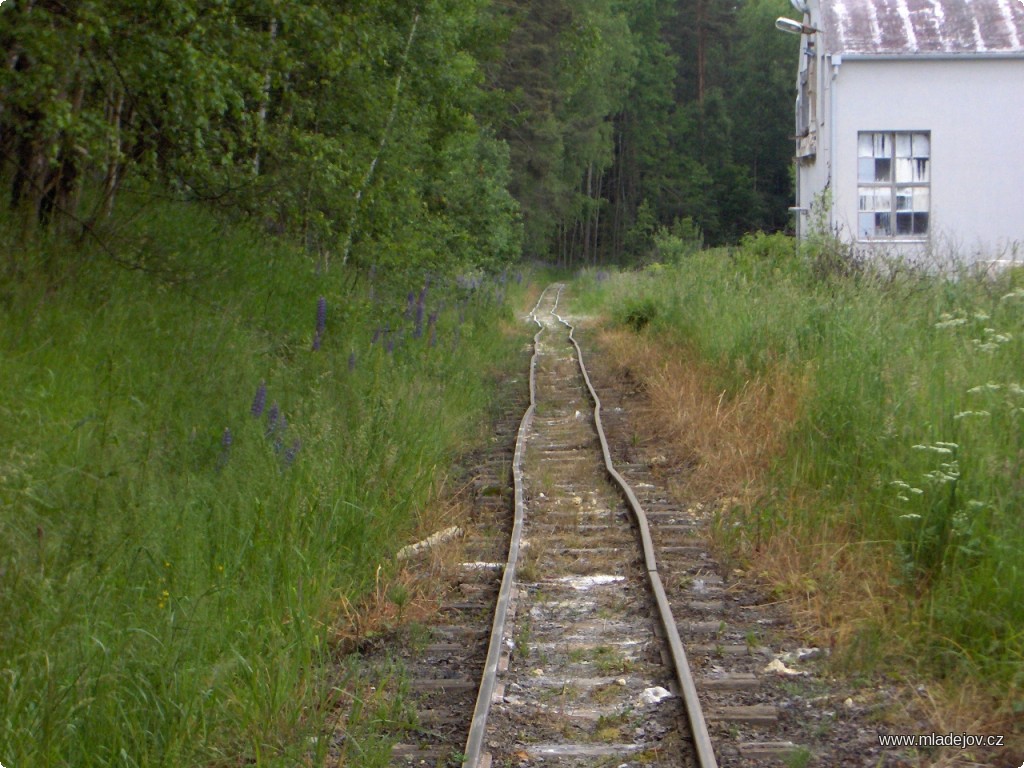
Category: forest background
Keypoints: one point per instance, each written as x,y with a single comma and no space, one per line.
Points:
446,131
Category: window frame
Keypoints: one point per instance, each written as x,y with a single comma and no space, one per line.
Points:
916,190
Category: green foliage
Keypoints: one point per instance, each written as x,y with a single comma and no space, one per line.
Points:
567,66
327,124
909,436
682,240
637,314
173,562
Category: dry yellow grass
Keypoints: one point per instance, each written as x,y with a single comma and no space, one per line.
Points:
412,592
729,440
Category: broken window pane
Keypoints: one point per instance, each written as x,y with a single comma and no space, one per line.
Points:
883,169
882,226
921,166
904,170
875,198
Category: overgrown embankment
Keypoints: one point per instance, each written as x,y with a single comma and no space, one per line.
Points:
203,457
867,431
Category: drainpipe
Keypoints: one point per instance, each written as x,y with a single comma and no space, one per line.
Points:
836,60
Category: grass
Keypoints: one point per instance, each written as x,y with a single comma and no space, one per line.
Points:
863,433
175,556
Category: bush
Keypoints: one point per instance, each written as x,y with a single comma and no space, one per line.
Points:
637,314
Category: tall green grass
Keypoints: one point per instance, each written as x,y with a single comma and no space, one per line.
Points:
171,560
911,435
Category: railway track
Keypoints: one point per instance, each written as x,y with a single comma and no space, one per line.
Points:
602,587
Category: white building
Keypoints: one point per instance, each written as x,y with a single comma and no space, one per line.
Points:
910,126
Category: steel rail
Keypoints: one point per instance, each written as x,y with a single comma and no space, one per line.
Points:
478,726
694,712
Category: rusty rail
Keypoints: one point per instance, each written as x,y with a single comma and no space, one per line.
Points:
694,711
478,726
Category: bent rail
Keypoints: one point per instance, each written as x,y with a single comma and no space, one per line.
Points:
694,711
478,726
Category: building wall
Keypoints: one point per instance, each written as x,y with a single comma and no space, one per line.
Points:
814,171
974,109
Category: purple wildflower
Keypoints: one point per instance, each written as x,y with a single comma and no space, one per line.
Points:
321,315
316,341
259,400
272,416
418,330
351,361
389,345
410,300
225,454
376,336
289,455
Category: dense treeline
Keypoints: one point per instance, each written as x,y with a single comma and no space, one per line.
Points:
450,131
631,117
349,125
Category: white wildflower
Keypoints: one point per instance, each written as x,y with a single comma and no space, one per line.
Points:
938,476
933,448
967,414
1017,294
981,316
901,497
910,516
990,387
904,486
942,444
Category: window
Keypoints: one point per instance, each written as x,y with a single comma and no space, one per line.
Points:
893,184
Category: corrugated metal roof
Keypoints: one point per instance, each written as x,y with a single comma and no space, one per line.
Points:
923,26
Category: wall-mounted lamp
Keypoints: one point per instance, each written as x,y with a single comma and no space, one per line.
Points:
793,27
